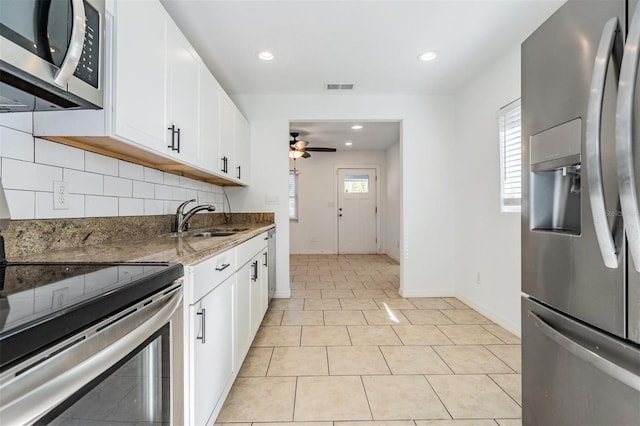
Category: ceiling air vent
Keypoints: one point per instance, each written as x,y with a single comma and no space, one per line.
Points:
335,86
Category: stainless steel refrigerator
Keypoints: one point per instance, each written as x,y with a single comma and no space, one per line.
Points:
580,216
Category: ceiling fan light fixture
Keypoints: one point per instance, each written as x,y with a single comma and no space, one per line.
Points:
294,155
300,144
265,55
356,127
427,56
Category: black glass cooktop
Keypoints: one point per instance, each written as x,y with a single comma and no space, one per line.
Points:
43,303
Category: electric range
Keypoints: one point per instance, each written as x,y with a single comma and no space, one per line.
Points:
42,303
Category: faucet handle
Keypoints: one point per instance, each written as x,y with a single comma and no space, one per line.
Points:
181,206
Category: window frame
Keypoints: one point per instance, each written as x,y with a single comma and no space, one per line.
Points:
510,183
294,195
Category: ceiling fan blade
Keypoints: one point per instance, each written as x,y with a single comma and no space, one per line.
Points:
321,149
306,155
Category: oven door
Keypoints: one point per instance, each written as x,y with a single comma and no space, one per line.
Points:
53,45
126,369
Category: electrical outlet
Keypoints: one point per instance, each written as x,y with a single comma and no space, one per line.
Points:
60,195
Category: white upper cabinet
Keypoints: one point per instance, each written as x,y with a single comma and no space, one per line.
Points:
140,56
227,136
182,95
163,107
242,148
209,153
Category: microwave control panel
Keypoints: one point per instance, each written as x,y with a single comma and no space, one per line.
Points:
89,65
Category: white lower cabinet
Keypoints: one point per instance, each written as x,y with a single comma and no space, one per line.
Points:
211,343
227,296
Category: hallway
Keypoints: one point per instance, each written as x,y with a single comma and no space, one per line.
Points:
346,347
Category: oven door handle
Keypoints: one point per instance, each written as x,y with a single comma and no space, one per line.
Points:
76,44
32,394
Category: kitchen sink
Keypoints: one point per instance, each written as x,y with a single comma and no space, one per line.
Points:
208,233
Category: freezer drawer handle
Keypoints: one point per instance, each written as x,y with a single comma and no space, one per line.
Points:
608,247
604,365
625,137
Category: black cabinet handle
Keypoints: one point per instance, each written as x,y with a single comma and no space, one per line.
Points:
173,136
254,265
178,149
224,165
224,266
266,259
238,172
202,315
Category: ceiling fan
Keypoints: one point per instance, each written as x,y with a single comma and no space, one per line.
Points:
298,148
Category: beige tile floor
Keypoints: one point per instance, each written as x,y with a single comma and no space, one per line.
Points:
347,350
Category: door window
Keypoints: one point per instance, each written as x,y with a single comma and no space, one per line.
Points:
356,183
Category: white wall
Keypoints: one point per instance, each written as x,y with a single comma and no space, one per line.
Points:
316,231
427,159
487,242
98,185
393,202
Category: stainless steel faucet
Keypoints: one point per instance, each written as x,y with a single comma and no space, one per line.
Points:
182,219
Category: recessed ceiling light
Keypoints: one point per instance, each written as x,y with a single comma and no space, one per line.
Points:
265,55
348,143
427,56
356,127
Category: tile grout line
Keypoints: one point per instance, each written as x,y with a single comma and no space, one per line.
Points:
504,390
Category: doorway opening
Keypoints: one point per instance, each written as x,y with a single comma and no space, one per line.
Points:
356,169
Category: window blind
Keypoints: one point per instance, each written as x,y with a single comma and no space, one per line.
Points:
293,195
510,157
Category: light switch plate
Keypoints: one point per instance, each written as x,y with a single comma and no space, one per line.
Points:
60,195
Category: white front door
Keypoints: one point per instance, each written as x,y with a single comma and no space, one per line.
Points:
357,211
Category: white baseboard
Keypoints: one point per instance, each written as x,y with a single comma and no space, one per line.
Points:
282,294
503,322
314,252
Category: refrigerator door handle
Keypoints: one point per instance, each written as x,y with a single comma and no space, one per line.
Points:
625,136
608,247
604,365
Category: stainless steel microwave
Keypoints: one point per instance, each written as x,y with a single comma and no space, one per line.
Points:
51,54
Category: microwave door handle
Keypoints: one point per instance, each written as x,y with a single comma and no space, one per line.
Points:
76,44
625,136
608,247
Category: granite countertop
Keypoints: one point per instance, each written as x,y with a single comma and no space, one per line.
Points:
154,247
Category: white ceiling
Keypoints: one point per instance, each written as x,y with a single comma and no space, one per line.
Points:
373,44
333,134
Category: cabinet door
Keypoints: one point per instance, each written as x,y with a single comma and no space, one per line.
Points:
242,314
256,293
140,76
211,340
209,117
182,92
227,136
242,148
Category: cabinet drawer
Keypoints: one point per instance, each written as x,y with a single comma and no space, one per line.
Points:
209,273
250,248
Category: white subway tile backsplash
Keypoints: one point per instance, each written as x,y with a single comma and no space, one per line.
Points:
22,121
22,204
82,182
153,207
153,175
57,154
102,164
130,170
170,207
163,192
143,189
29,176
45,210
178,193
171,179
16,144
97,206
117,187
130,207
98,185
